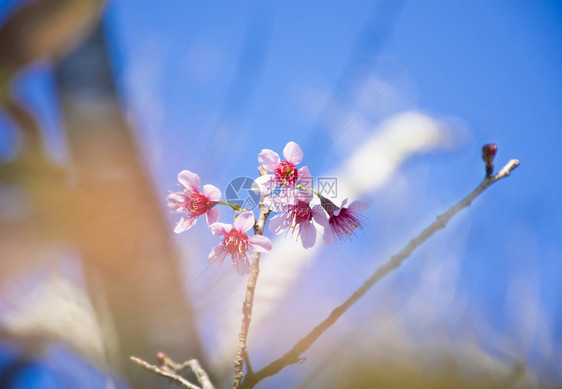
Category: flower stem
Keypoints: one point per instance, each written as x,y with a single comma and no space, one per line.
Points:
310,190
236,207
248,304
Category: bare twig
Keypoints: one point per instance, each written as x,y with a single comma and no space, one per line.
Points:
164,373
248,304
294,355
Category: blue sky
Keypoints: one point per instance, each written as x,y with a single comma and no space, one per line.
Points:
264,73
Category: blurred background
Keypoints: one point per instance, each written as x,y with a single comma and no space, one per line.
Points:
104,102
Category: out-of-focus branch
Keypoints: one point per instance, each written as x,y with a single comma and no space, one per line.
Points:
24,121
248,304
294,355
44,29
39,30
130,264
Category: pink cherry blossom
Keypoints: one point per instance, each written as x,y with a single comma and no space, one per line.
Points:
192,202
342,222
285,173
237,243
298,217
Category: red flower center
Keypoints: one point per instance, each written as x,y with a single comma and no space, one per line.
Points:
236,242
286,173
301,212
197,203
345,224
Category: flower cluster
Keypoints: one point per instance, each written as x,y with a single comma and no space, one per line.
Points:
293,200
285,190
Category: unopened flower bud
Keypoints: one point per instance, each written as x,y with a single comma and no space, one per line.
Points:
161,357
488,153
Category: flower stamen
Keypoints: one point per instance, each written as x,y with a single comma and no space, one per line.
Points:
286,173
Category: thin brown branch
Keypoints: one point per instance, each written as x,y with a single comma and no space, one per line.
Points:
294,355
164,373
248,304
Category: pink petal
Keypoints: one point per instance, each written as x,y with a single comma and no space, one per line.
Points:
220,229
211,192
269,159
307,233
175,200
293,153
279,223
265,183
358,206
260,243
305,177
175,196
319,215
242,265
217,254
244,221
287,196
212,216
185,224
303,195
189,180
304,172
343,203
328,236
